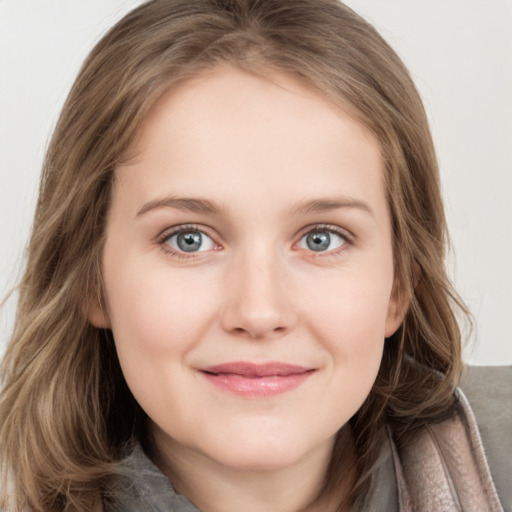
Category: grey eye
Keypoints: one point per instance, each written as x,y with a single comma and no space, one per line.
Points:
321,240
318,241
190,241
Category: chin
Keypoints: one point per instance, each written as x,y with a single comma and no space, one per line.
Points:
260,454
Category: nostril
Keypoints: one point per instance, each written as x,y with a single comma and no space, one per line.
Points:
258,312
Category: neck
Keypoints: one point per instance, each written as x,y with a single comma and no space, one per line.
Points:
298,487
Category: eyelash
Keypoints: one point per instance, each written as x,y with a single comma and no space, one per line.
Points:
167,235
348,240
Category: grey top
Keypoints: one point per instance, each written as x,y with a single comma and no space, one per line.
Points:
145,488
142,487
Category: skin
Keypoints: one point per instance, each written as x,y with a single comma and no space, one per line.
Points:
267,161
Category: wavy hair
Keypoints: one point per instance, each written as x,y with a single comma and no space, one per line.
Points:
65,409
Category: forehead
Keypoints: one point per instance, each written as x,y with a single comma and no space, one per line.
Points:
232,128
206,102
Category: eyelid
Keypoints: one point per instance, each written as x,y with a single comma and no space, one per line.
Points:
169,232
346,235
333,228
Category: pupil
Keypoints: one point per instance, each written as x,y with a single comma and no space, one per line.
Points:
189,242
318,241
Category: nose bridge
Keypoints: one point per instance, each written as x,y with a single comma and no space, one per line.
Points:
258,300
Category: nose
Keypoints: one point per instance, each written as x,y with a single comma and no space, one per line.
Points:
259,302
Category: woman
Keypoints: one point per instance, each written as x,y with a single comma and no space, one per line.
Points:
235,295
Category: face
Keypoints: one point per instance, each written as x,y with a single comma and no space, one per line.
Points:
248,270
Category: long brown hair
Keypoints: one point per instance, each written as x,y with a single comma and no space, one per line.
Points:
65,409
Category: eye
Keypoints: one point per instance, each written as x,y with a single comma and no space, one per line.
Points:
189,240
322,240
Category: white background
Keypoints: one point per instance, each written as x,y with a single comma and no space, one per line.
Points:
459,52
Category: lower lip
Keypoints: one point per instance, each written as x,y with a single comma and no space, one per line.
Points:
257,386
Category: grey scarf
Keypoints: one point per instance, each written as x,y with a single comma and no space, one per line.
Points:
444,468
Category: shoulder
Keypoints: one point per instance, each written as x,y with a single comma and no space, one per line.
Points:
489,392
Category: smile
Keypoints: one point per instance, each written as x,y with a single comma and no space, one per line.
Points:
257,380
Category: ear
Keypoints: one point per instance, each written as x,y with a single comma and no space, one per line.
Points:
98,315
397,308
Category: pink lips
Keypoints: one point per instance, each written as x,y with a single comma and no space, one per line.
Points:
257,380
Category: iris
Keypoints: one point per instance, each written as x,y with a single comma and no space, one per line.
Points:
318,240
189,241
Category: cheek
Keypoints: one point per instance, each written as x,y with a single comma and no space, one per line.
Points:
350,323
352,308
351,330
157,315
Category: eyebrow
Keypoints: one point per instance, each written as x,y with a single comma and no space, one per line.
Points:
330,203
181,203
197,205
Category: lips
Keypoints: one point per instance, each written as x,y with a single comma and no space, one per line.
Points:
256,380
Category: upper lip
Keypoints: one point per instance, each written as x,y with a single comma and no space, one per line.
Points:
246,369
